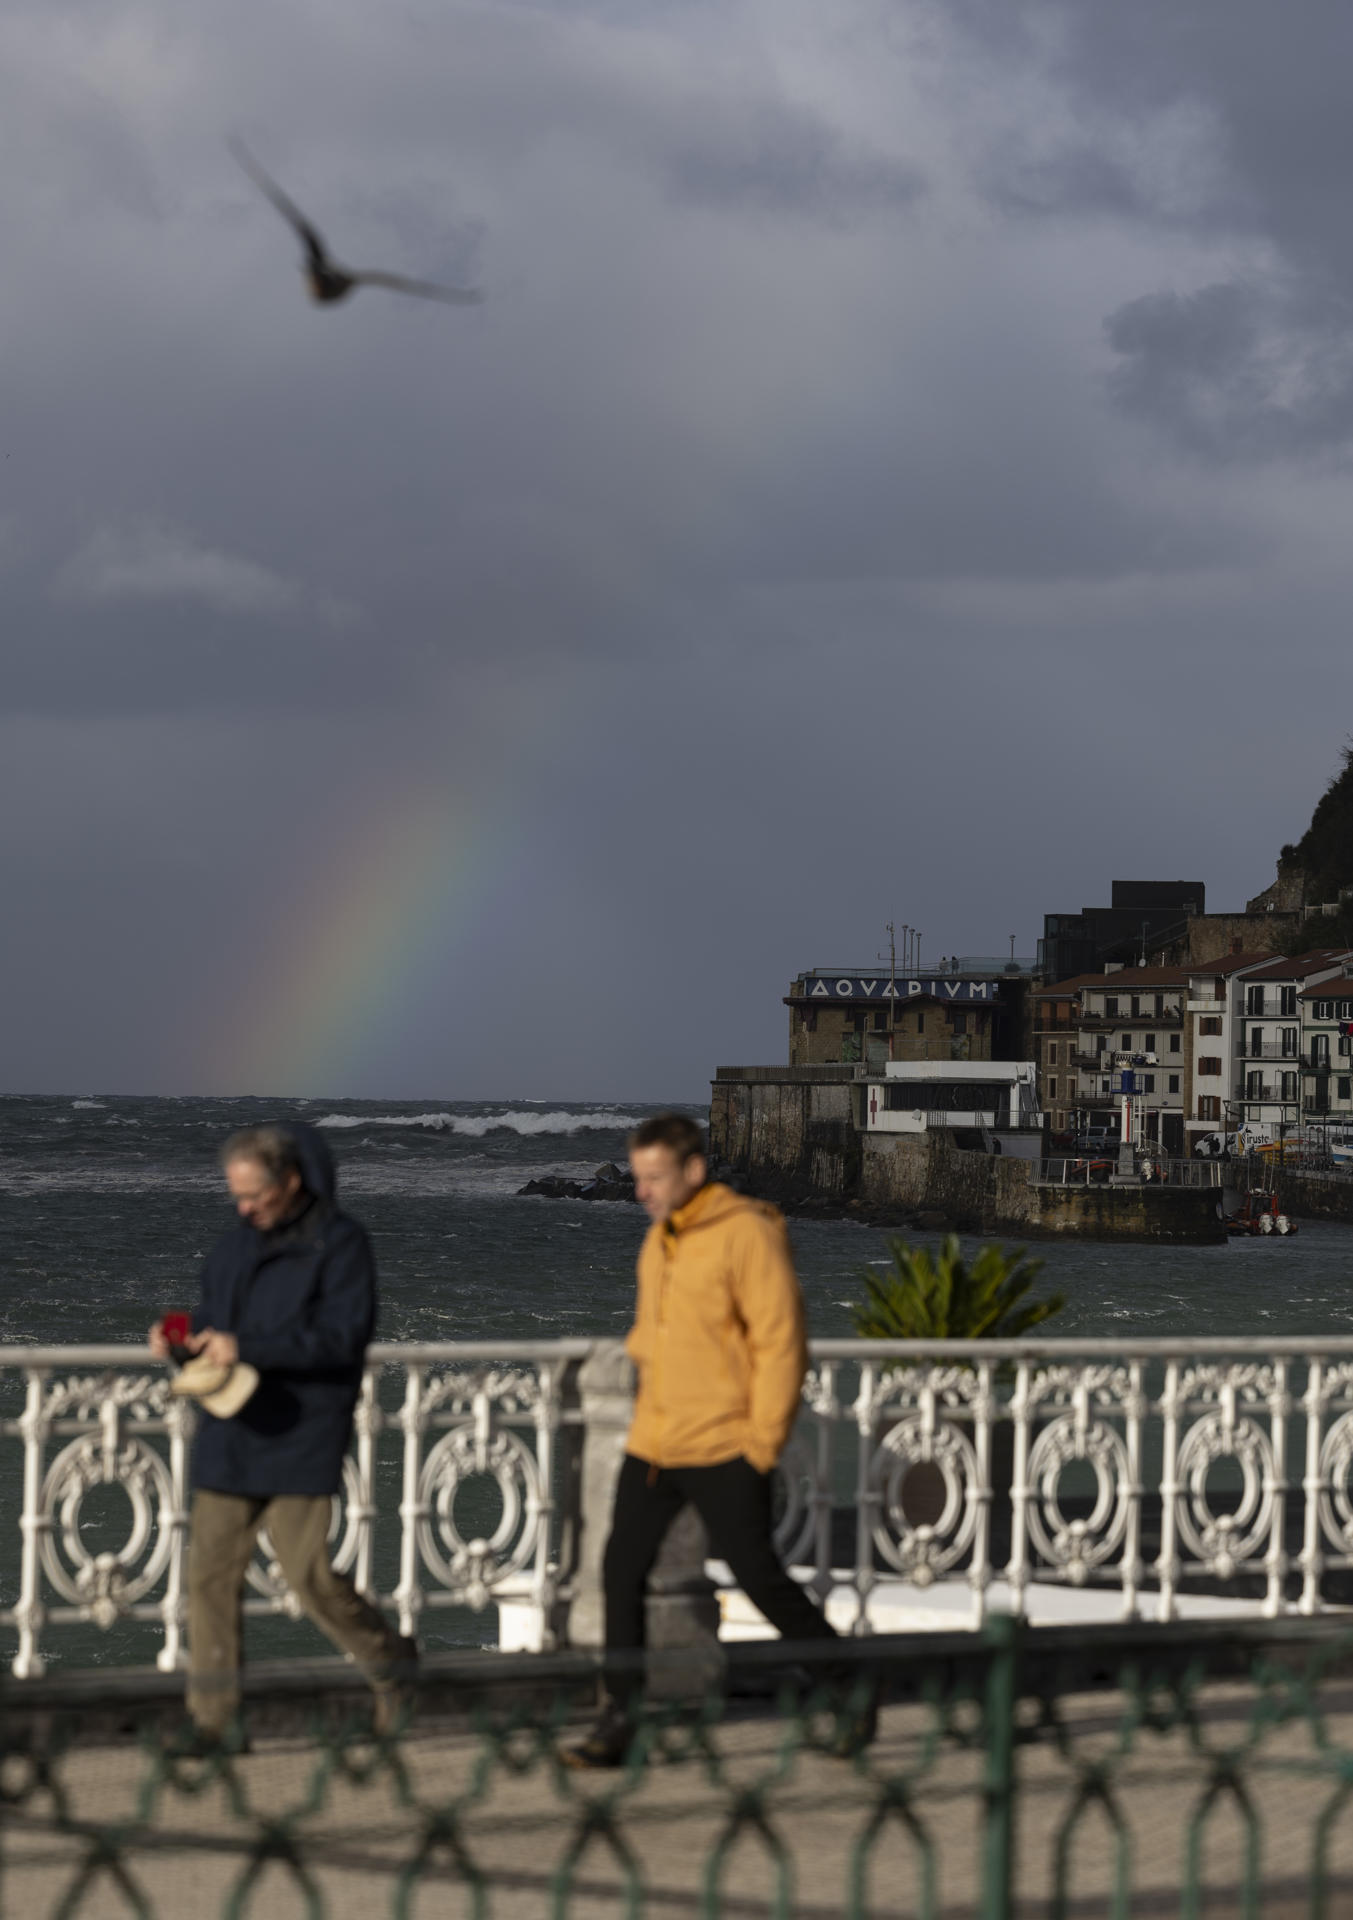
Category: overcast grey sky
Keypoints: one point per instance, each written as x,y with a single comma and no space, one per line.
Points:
900,468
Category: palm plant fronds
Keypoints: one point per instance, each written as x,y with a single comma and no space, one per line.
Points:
945,1297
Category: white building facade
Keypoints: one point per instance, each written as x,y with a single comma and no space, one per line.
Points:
1131,1038
1270,1046
1327,1051
1215,1009
995,1098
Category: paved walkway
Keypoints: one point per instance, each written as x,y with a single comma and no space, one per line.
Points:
822,1832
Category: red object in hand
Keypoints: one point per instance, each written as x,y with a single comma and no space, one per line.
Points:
176,1327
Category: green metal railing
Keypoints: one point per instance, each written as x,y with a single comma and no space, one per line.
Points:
1185,1769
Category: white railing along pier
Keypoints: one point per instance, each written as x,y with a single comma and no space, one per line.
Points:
480,1475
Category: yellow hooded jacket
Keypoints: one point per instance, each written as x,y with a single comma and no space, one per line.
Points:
718,1335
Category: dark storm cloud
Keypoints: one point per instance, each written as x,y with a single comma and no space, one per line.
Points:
1077,179
1229,122
1235,371
776,159
773,501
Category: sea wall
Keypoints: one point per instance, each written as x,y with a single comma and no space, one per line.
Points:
985,1193
788,1128
788,1135
1311,1196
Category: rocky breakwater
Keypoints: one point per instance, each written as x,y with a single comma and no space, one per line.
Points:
609,1182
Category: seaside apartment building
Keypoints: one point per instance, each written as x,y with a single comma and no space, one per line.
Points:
1056,1014
1133,1019
1127,1019
1271,1047
1327,1050
1215,1010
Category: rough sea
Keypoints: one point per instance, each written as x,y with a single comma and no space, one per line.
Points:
109,1204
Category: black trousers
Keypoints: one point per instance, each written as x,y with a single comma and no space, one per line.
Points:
733,1500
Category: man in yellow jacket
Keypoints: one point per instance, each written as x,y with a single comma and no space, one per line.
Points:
718,1339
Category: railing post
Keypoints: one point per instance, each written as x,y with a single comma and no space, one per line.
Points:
1132,1538
33,1523
1021,1412
412,1512
606,1396
1312,1487
1167,1563
179,1423
1275,1561
1002,1635
367,1425
866,1497
543,1573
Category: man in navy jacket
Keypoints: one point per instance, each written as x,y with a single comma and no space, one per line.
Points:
291,1292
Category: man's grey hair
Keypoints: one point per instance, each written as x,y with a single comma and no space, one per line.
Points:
273,1147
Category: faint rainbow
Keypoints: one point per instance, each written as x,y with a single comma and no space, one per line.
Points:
339,972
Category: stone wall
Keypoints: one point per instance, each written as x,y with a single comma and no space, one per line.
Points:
986,1193
1312,1196
1215,936
791,1138
794,1130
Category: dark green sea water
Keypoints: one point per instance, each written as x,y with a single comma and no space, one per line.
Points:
110,1203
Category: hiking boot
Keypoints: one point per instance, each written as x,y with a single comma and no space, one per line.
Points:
605,1746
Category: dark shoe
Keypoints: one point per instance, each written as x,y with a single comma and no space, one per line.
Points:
607,1745
855,1732
194,1742
396,1691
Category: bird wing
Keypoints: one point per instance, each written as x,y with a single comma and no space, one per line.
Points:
425,289
288,209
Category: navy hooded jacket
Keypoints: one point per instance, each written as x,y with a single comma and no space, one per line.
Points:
301,1301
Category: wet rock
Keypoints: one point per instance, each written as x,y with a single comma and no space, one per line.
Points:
554,1186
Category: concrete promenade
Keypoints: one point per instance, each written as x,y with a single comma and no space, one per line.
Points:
530,1834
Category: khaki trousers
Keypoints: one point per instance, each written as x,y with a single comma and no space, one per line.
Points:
221,1539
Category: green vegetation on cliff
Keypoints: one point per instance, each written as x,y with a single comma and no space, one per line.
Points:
1324,855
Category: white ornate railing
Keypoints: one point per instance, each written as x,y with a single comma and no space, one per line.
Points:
1151,1467
1146,1467
103,1416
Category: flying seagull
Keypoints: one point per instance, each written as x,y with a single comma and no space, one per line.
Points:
328,281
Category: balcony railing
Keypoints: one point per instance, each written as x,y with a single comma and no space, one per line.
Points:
1267,1050
1000,1468
1171,1017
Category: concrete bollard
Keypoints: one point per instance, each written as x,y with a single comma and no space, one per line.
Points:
683,1612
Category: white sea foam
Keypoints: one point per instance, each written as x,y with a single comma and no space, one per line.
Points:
475,1125
85,1104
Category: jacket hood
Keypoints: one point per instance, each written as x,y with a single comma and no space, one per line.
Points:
318,1174
713,1204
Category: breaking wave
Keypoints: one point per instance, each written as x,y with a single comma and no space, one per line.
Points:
475,1125
86,1105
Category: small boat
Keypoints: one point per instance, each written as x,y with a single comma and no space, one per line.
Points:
1258,1214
